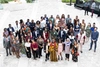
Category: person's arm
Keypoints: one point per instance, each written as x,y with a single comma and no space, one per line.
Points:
97,35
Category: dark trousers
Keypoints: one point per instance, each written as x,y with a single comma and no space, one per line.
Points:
16,34
8,50
74,58
28,53
47,55
86,10
67,56
95,45
99,13
92,12
35,53
40,51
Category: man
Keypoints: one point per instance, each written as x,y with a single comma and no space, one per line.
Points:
17,28
10,29
94,39
92,28
93,7
67,19
86,8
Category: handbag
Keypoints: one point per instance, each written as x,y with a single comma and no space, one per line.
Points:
77,54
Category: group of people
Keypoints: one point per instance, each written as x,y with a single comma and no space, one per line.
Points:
87,7
49,35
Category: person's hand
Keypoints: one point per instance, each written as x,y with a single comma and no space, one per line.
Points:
27,50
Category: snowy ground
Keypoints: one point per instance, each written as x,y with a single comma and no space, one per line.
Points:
15,11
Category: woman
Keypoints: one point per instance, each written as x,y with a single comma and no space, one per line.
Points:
22,50
53,49
75,52
17,47
5,33
27,49
70,31
88,31
72,38
12,39
60,49
45,35
57,20
83,26
63,18
46,50
34,48
40,42
76,28
67,48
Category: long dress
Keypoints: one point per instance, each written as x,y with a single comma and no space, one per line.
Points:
88,31
60,48
53,48
74,56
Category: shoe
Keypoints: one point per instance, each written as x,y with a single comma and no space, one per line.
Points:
81,51
89,49
61,58
45,59
94,50
10,54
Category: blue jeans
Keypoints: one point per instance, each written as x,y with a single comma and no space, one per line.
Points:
95,45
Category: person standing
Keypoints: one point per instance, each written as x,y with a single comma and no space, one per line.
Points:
74,52
81,39
88,31
99,11
40,42
60,49
94,39
86,8
46,50
67,48
53,49
6,44
27,49
34,47
93,7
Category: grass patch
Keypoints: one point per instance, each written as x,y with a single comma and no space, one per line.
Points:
67,1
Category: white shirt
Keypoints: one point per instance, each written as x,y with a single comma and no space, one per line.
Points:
93,5
43,23
27,44
17,28
71,37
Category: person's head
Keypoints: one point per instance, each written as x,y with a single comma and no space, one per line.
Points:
57,17
76,17
66,27
95,29
62,16
51,16
93,24
16,22
81,32
32,21
33,41
89,24
83,21
9,25
75,42
60,41
5,29
28,20
61,28
45,15
40,36
67,39
50,21
48,40
28,40
53,40
68,16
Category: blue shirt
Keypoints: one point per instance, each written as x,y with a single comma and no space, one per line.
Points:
95,35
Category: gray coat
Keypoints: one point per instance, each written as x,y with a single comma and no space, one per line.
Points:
6,42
